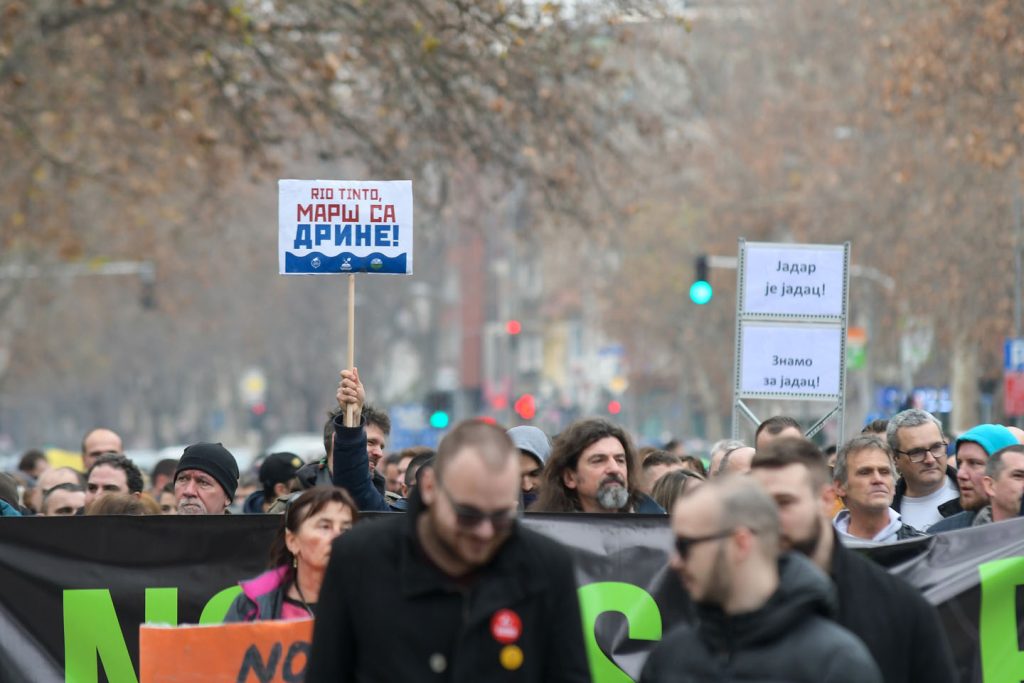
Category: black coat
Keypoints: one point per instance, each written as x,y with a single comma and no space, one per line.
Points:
790,639
386,613
900,628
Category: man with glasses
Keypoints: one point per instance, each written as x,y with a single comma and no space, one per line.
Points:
759,616
927,489
470,594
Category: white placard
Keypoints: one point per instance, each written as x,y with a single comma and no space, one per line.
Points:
793,280
792,360
344,226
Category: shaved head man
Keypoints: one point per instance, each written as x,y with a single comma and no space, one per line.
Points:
96,443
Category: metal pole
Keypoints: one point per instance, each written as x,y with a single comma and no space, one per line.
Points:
1017,260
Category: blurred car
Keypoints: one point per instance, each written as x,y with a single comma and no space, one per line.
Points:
307,445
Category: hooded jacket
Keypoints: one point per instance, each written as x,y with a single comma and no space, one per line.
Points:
895,531
262,598
789,639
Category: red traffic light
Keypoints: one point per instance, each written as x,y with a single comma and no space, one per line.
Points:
525,406
259,409
513,327
614,407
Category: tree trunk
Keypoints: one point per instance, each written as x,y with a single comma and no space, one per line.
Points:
964,390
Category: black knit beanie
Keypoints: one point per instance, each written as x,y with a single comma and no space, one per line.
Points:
213,459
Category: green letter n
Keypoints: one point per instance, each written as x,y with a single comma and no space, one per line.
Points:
91,630
1001,656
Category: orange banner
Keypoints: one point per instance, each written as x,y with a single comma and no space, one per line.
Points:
261,652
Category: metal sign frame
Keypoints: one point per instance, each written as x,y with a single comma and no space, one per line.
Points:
740,408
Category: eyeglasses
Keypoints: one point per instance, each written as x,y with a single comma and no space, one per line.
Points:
469,517
936,450
684,543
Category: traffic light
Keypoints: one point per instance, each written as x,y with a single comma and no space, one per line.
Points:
257,412
614,407
700,290
513,327
525,406
438,406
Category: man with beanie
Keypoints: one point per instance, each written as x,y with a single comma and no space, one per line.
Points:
206,480
278,479
973,449
534,450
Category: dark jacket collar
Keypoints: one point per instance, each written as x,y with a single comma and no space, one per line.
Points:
506,579
803,591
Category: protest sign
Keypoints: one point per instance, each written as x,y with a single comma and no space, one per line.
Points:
331,227
794,280
327,227
263,651
795,361
791,317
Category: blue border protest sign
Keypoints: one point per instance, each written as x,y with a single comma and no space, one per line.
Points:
345,226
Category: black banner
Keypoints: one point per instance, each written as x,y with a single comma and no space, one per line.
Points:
75,589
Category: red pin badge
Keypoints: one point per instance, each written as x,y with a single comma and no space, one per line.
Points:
506,626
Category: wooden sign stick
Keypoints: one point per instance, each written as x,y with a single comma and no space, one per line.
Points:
351,419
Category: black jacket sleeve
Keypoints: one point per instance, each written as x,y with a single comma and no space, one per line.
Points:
352,467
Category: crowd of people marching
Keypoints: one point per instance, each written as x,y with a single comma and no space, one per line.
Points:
763,538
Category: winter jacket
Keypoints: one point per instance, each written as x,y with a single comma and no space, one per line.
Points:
515,619
900,628
253,504
790,639
352,469
262,598
961,520
895,531
645,505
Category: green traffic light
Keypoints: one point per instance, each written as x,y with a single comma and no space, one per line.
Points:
700,292
439,419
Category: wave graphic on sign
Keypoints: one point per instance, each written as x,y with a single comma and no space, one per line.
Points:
316,263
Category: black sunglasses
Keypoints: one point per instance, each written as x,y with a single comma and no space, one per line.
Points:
684,543
469,517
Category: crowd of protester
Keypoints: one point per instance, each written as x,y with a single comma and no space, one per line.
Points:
761,536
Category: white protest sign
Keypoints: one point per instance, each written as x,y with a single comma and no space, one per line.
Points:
344,226
791,360
793,280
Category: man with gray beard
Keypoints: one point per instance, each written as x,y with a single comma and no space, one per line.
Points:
593,468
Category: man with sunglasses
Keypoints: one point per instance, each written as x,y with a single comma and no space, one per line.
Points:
759,616
927,489
470,594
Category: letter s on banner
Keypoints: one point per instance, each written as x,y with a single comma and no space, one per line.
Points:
642,615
